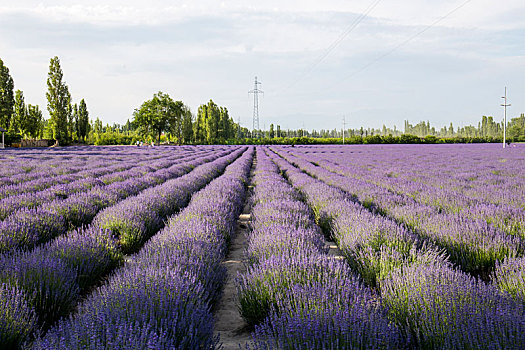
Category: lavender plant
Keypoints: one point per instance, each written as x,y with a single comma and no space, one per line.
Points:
265,284
29,227
135,219
471,243
442,308
18,320
50,285
509,276
161,296
138,307
283,240
356,323
293,291
90,251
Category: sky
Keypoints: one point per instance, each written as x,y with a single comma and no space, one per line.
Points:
371,62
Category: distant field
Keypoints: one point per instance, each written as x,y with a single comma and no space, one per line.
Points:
339,247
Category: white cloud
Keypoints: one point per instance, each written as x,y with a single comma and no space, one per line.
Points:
116,54
479,13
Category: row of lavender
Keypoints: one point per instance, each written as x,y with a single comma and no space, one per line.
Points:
26,227
22,166
452,188
483,172
295,294
161,298
69,172
78,177
458,236
85,180
472,244
432,304
46,283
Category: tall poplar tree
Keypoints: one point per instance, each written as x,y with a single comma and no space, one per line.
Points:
212,122
58,102
187,125
200,124
19,116
7,99
33,124
83,121
225,124
176,111
73,125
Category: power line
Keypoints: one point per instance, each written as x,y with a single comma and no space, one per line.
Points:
334,44
406,41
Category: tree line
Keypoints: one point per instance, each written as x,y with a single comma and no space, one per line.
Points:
159,119
161,115
162,119
68,122
15,116
487,128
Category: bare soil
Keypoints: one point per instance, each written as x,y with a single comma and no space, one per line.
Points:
233,330
333,250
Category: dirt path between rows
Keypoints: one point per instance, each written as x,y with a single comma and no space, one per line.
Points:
229,324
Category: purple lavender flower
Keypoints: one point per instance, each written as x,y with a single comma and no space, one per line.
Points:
90,251
316,323
262,287
137,309
283,240
18,320
28,227
439,307
50,285
161,296
509,276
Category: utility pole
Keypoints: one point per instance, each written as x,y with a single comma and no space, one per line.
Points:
256,93
344,127
505,105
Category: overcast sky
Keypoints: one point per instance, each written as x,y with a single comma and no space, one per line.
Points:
375,62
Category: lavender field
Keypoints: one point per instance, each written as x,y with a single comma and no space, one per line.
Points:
342,247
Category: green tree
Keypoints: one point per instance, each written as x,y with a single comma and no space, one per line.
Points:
58,102
200,124
48,130
97,129
75,123
83,121
175,115
19,116
212,122
72,122
272,133
7,98
516,128
34,122
187,125
154,116
225,124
